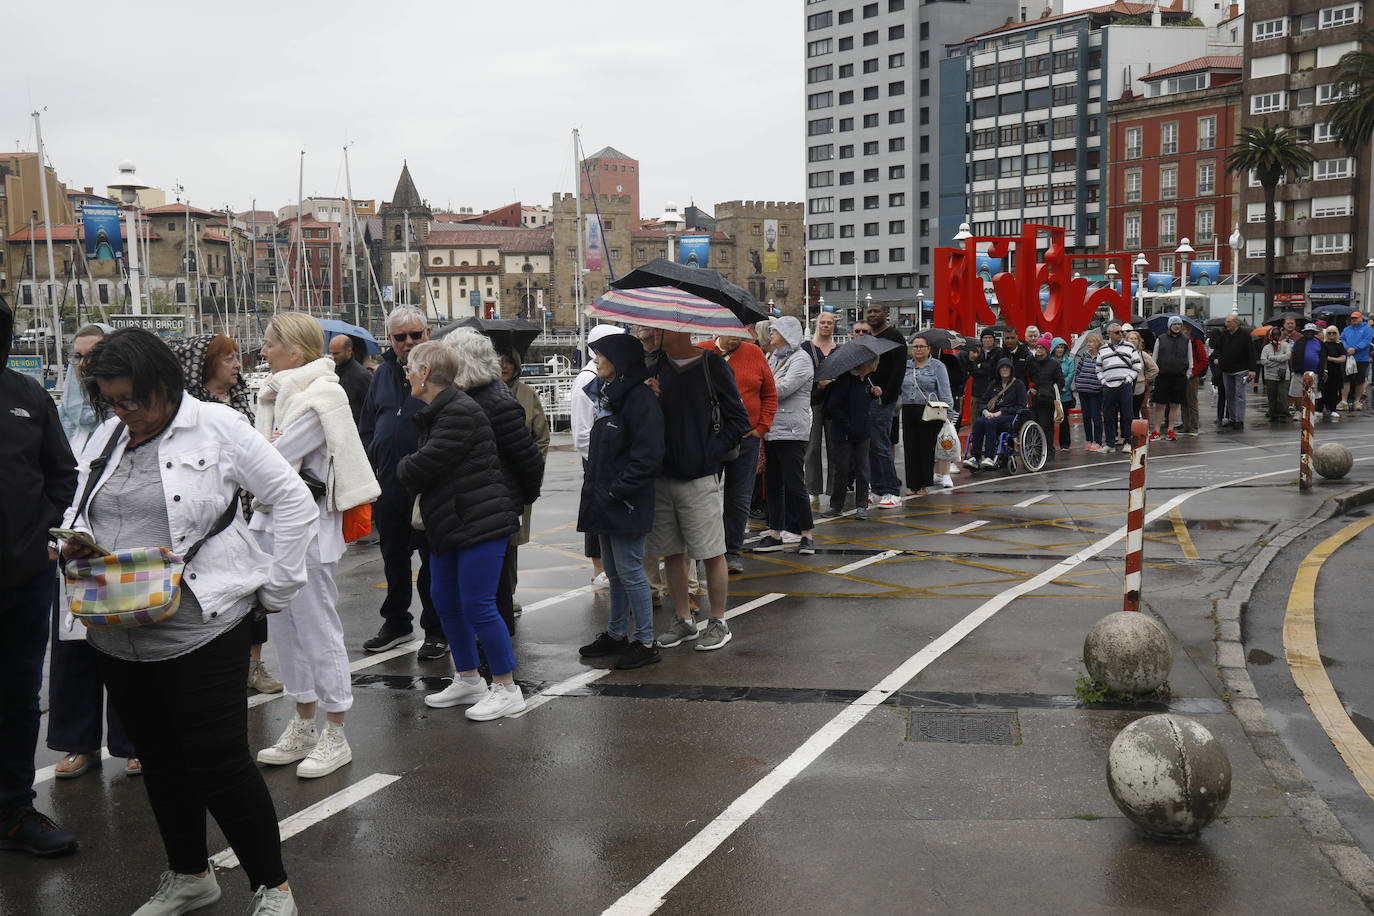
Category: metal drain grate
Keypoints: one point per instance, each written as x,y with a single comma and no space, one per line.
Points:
960,726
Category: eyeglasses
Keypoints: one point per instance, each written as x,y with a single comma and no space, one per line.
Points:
920,347
80,357
858,331
125,404
413,335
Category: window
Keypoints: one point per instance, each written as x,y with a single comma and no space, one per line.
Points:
870,175
870,38
846,232
1066,94
1325,169
1168,138
1133,186
1207,133
1011,103
817,48
896,116
1206,225
896,254
822,257
847,151
896,172
846,124
818,21
896,6
870,93
1206,178
925,31
820,179
1333,92
1336,16
897,88
1037,164
846,71
1065,60
847,43
1254,248
925,59
1264,102
1301,244
819,100
896,32
1323,133
1254,213
896,200
820,153
871,256
1166,263
896,60
896,144
815,205
870,230
846,17
984,169
985,107
925,144
871,120
1340,205
846,204
896,227
821,231
1331,242
820,126
1168,182
847,97
104,291
1271,28
818,74
871,65
870,147
870,10
1168,227
871,202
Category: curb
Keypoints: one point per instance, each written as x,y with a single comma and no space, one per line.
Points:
1346,857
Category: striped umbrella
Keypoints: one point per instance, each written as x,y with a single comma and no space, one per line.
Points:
668,308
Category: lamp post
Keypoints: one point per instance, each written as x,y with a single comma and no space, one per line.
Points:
1237,243
770,308
920,309
1112,274
1369,284
128,187
963,233
1141,265
1184,252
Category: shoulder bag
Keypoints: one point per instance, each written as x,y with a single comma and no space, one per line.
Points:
934,410
733,453
129,588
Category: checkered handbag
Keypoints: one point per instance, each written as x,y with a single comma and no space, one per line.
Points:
131,588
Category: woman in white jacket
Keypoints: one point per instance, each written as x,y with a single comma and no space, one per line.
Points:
304,412
784,445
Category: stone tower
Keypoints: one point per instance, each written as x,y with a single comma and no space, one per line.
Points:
405,206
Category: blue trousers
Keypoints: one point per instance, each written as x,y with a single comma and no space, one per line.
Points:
983,439
882,469
463,584
23,637
623,557
1091,405
76,697
739,492
1118,410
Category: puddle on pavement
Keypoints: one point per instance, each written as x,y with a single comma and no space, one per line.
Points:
1259,657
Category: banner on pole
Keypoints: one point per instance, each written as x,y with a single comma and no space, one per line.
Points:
1204,273
100,225
770,241
593,243
694,250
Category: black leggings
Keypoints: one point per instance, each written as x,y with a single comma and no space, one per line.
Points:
188,717
919,447
784,475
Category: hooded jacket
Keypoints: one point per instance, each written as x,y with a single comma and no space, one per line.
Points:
626,446
1009,400
1068,366
40,471
522,465
385,420
583,409
1044,375
792,375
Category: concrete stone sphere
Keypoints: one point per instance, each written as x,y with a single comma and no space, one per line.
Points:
1169,775
1331,460
1128,652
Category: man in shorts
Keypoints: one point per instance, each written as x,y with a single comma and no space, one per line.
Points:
688,508
1174,356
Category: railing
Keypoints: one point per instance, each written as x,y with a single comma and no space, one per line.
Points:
555,396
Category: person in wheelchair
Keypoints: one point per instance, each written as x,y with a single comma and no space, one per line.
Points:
1005,398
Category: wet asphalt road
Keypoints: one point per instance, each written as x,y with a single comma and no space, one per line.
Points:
797,769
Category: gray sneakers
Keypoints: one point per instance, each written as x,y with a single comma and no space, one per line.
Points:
178,893
717,634
681,631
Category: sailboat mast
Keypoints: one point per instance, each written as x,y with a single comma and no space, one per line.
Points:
233,272
47,232
352,254
578,291
405,215
300,214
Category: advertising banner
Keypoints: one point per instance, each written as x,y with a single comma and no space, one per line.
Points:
770,243
475,302
593,242
1204,273
31,365
100,225
164,326
1159,282
988,266
694,250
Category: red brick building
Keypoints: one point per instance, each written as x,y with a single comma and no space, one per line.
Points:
1167,179
612,173
322,285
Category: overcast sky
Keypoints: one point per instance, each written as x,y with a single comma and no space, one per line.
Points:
481,98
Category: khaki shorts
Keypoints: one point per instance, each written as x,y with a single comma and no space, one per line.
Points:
688,518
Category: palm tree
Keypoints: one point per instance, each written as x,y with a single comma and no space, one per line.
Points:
1353,116
1269,152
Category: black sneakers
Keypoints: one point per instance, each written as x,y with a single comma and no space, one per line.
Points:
637,655
432,650
29,831
604,644
387,638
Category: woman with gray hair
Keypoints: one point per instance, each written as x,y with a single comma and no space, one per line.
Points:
469,515
479,375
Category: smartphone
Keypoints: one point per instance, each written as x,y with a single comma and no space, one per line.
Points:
78,537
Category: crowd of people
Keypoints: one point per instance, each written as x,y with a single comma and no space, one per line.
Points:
681,442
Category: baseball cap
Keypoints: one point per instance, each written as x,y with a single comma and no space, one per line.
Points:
1309,327
1356,315
1127,327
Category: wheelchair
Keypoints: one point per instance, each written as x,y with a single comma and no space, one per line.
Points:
1024,445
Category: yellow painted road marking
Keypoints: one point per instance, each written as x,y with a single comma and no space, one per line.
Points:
1185,540
1304,659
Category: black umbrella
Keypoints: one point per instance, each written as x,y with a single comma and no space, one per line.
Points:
854,353
699,281
1278,320
504,332
940,339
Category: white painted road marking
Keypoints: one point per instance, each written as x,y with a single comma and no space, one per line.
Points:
866,561
1032,501
969,527
50,772
1187,467
325,807
647,896
366,661
558,599
1098,483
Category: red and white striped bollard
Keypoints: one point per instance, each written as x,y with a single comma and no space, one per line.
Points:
1308,408
1135,514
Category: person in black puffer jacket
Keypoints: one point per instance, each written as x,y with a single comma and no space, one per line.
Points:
469,514
1044,374
522,464
618,495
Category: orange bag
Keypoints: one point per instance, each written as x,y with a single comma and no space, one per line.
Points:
357,522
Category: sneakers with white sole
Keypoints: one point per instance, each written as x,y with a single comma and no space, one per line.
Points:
178,893
890,501
458,693
716,634
328,754
269,901
500,701
682,630
295,743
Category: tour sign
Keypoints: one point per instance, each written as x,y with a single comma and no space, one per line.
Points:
161,325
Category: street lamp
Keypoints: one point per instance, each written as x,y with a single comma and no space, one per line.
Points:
1369,284
128,187
1141,265
1184,252
868,301
1112,274
770,308
963,233
920,308
1237,243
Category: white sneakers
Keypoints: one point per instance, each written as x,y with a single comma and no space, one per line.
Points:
178,893
321,754
458,693
601,582
269,901
330,753
500,701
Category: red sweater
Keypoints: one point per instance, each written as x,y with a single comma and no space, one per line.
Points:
755,381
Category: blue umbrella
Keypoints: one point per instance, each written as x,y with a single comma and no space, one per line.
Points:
359,335
1159,325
